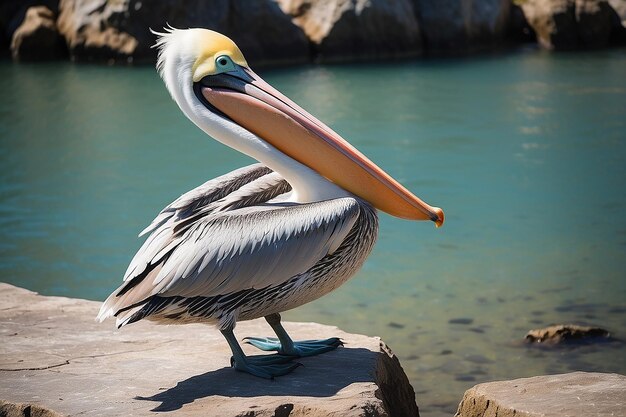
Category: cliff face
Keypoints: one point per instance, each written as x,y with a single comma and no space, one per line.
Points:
296,31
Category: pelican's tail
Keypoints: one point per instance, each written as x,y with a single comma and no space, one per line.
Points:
109,309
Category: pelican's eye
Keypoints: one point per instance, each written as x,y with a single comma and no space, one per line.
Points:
223,63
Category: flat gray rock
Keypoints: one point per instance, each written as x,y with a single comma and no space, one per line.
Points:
574,394
54,356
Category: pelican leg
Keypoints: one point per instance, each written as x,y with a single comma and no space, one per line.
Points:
264,366
285,346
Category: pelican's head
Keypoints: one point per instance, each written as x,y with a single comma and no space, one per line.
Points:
209,78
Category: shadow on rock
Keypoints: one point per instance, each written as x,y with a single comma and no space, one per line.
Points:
321,376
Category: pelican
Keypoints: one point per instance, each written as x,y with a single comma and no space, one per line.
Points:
265,238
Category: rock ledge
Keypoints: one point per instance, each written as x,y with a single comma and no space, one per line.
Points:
574,394
55,360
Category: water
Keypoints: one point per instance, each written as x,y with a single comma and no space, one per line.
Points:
525,152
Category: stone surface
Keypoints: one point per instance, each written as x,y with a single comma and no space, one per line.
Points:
618,22
118,31
54,356
564,333
573,394
462,25
341,30
620,8
12,13
570,24
37,38
593,23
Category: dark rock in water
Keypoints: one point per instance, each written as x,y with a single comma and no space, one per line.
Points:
445,352
573,394
461,320
462,25
476,330
37,38
593,18
567,333
570,24
617,310
520,31
465,378
342,30
478,359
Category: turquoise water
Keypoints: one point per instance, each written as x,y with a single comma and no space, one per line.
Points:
525,152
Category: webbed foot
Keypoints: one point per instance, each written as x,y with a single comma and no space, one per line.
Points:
299,349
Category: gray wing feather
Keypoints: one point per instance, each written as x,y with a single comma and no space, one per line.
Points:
187,205
240,250
225,245
254,249
207,193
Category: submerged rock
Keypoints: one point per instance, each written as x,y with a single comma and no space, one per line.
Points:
342,30
54,354
37,38
563,333
573,394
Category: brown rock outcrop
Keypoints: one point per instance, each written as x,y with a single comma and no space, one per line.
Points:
37,38
570,24
342,30
100,30
561,333
54,356
462,25
573,394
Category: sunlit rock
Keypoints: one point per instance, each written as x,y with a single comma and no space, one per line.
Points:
347,30
55,356
573,394
119,32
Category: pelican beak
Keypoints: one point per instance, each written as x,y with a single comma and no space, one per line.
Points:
244,98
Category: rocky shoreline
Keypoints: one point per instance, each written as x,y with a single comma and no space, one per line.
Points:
56,360
279,32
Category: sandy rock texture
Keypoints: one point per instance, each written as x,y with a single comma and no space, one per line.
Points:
54,358
574,394
341,30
